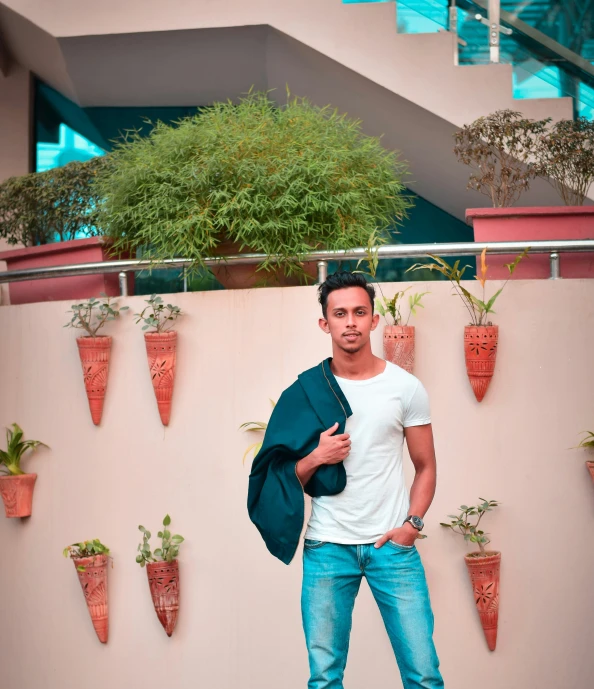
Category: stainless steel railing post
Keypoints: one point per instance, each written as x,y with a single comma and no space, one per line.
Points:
123,278
555,266
322,271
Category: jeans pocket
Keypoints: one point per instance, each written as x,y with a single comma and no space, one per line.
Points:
311,544
399,546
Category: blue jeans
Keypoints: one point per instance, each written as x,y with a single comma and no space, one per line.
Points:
332,575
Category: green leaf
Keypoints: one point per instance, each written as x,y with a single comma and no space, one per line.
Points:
167,520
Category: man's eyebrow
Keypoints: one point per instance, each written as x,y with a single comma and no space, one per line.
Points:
343,308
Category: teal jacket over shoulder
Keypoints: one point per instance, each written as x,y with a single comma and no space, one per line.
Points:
276,502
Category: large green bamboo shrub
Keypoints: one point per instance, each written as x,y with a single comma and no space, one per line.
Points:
272,179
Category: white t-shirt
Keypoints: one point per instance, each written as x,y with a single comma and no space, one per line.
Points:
375,499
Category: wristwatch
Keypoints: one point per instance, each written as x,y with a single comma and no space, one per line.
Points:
417,522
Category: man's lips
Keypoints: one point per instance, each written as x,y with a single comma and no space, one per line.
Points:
351,336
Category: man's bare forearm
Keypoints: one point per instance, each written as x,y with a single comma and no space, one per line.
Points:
306,467
422,490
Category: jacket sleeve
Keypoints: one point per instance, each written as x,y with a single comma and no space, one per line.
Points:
275,496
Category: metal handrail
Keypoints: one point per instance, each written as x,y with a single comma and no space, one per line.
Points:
551,247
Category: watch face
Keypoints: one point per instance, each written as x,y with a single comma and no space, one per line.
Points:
417,522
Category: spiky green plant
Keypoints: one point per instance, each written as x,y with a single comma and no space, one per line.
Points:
275,179
384,306
10,459
254,426
587,442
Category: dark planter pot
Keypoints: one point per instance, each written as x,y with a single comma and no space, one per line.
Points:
90,250
246,276
535,223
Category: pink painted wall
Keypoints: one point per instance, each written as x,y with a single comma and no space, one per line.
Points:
240,622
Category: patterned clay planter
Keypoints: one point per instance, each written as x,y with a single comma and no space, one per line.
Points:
590,466
163,580
161,352
399,345
484,577
480,352
17,493
94,356
94,585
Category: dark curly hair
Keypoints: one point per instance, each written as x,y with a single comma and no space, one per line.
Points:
343,280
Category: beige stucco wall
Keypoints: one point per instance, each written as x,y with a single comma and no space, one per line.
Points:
363,37
15,97
239,624
15,122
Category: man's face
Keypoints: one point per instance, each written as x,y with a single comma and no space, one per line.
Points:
350,319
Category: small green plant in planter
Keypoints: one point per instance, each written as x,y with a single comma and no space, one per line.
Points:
94,350
587,443
93,314
85,549
483,566
479,310
461,523
162,569
399,337
257,426
161,349
90,559
278,179
481,336
168,551
16,487
158,315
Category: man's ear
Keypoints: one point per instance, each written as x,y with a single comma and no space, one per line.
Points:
323,323
375,321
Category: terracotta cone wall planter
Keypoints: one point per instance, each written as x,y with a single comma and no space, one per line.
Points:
94,585
163,580
161,352
399,345
94,356
590,466
17,493
480,352
484,577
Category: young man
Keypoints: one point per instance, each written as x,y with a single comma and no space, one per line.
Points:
338,432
